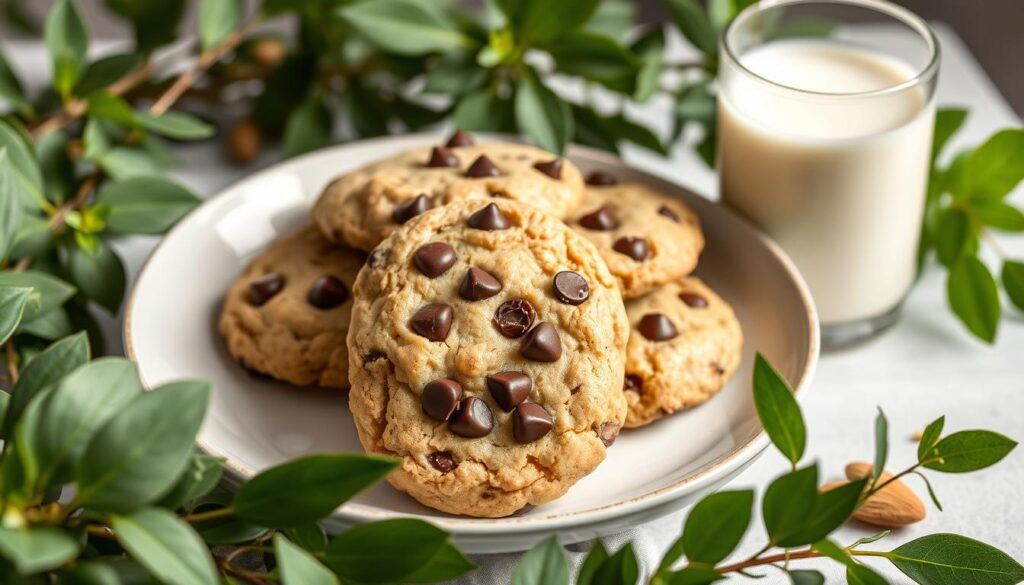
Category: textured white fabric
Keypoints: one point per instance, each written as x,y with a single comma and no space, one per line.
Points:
925,367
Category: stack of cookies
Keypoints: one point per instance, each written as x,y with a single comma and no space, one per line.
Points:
497,318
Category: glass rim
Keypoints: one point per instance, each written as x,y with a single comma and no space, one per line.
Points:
890,9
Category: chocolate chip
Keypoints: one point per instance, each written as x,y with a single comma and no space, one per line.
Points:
478,285
530,422
571,288
509,389
522,511
442,461
377,258
373,356
514,317
551,168
542,344
601,220
460,138
599,179
664,210
434,259
440,398
693,300
441,157
433,321
718,368
489,218
473,419
657,327
327,292
608,432
633,382
635,248
482,167
407,210
264,288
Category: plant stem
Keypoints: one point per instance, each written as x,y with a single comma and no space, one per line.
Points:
211,515
101,531
757,560
205,61
76,202
12,362
877,488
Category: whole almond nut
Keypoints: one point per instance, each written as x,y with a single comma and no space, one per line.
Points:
893,506
245,142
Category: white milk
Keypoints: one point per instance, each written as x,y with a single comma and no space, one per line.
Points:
838,180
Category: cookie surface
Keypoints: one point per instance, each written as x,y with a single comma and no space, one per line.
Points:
647,239
487,345
685,344
362,207
288,314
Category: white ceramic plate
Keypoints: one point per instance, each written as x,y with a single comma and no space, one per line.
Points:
170,330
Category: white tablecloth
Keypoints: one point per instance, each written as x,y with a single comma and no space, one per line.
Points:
926,366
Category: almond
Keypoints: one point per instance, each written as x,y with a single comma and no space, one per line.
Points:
893,506
244,142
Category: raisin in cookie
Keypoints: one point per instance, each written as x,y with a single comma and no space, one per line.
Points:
486,350
685,344
362,207
646,238
287,315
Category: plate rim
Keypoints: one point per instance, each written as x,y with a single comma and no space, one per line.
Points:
356,513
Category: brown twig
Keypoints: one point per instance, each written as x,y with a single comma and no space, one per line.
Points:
12,362
211,515
76,202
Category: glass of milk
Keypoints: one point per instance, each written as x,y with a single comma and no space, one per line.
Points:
824,142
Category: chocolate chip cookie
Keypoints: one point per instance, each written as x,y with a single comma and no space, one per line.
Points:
288,314
362,207
646,238
685,344
486,350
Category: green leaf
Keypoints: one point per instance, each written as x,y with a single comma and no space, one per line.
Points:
947,122
46,368
308,128
806,577
48,326
124,163
112,108
697,103
145,205
82,403
482,111
141,452
228,530
931,491
309,536
954,238
938,559
33,239
10,205
12,307
56,165
651,49
597,58
693,575
67,41
540,21
831,510
881,445
167,546
405,27
384,551
720,12
99,275
11,88
29,180
544,564
857,574
37,548
998,215
996,167
612,18
455,73
297,567
155,23
929,437
1013,282
543,115
446,564
715,526
621,567
104,72
870,539
968,451
217,18
621,128
789,502
308,488
201,475
834,552
973,296
177,125
693,22
49,292
778,410
595,558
